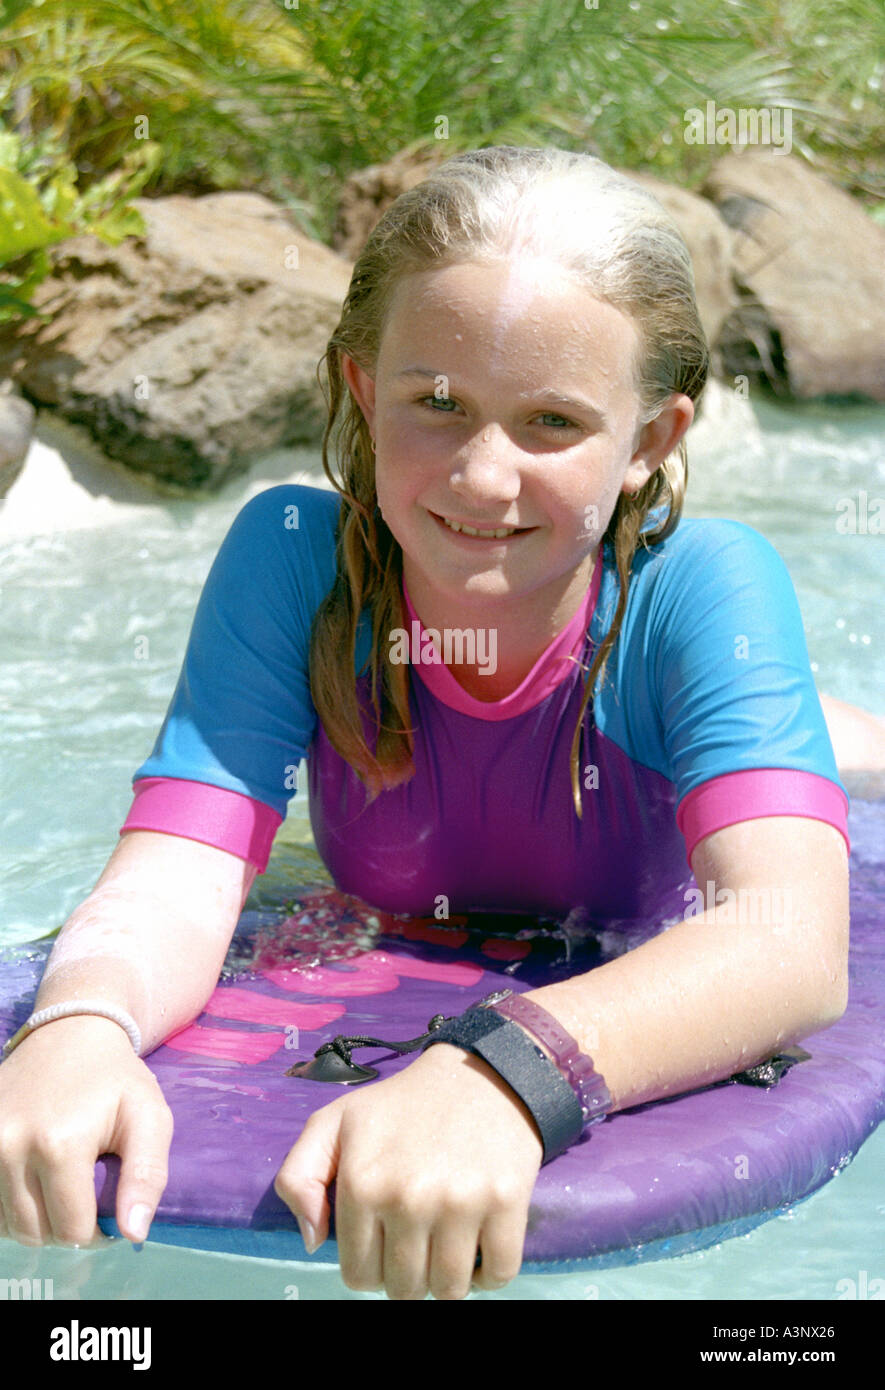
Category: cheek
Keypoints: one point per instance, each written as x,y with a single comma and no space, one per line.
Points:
568,492
394,488
407,470
386,497
582,502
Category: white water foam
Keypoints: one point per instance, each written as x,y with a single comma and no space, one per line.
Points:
69,484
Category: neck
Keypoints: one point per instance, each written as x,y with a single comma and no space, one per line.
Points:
522,627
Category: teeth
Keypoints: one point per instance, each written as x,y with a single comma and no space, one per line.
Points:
489,535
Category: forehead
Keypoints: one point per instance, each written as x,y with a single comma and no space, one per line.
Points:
523,310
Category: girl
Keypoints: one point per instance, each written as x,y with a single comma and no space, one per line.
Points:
602,696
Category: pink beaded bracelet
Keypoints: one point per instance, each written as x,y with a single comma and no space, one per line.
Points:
575,1066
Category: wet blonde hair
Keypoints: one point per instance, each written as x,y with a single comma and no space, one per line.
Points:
491,203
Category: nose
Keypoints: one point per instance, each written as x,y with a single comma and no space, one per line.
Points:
486,468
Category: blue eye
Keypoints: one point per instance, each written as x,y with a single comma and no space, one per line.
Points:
444,405
549,415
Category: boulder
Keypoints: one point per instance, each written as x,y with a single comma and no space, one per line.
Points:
16,428
808,260
191,349
367,194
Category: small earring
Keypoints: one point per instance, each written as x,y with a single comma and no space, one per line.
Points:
373,445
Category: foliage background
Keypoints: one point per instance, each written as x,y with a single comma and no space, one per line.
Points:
289,96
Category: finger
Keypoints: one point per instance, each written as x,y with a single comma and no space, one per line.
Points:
307,1171
452,1260
359,1230
501,1244
406,1261
24,1213
142,1137
68,1192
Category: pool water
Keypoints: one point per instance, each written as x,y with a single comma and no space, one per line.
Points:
98,594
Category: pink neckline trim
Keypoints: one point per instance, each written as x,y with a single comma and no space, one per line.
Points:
551,668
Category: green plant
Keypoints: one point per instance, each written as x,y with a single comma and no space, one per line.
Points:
40,204
288,98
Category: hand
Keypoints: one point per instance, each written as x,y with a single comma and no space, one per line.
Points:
72,1090
431,1165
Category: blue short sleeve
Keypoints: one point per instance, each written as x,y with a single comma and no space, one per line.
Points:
732,674
242,717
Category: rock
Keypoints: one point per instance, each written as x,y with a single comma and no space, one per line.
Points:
367,194
16,428
190,350
709,240
809,262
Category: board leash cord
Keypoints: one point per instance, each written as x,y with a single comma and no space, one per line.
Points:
333,1061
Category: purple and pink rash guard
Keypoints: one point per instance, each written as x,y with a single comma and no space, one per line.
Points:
708,716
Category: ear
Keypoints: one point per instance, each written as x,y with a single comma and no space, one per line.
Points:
362,387
657,440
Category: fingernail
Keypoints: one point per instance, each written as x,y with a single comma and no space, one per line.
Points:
308,1235
139,1221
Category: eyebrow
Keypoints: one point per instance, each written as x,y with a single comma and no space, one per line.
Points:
546,393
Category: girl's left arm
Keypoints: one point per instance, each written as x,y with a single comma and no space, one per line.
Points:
439,1160
721,991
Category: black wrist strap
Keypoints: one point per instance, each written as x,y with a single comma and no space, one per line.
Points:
526,1069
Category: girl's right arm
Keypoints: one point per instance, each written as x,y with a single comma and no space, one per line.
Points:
150,939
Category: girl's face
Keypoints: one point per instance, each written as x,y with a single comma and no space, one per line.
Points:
505,398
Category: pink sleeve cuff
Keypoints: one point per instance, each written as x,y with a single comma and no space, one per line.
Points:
214,816
767,791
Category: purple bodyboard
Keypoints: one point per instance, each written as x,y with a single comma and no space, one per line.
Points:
663,1178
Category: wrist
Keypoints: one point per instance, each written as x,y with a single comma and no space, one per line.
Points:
445,1057
560,1048
82,1042
73,1021
523,1066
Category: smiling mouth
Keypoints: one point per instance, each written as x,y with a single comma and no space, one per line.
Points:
496,533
